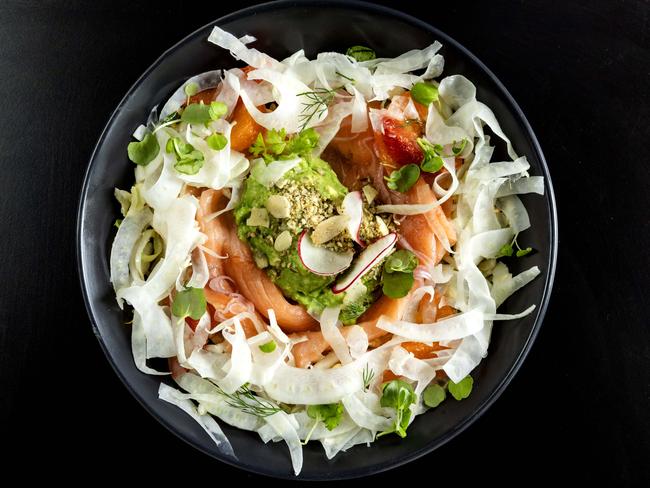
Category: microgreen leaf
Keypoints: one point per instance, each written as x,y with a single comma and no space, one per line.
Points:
424,93
433,395
329,414
190,164
506,250
398,394
361,53
462,389
457,148
217,110
404,178
522,252
191,89
402,260
196,113
397,284
268,346
217,141
144,151
432,160
189,302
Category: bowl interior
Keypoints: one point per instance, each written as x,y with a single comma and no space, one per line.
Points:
281,29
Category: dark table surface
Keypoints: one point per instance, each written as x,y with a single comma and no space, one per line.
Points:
579,406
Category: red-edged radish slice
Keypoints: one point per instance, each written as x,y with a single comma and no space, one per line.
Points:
353,209
320,260
370,256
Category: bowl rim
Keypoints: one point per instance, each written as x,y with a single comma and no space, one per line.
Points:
549,197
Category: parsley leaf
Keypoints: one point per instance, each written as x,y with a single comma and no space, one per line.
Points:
424,93
329,414
144,151
432,160
303,142
276,144
462,389
433,395
361,53
399,395
217,141
403,179
189,302
268,346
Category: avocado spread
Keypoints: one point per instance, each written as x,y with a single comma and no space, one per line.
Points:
271,217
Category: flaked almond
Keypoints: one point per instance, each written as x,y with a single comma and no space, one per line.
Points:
329,228
259,218
381,225
283,241
370,193
278,206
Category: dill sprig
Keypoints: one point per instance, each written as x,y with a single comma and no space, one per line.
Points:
368,375
315,106
245,400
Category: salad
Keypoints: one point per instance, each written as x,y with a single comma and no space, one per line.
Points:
315,246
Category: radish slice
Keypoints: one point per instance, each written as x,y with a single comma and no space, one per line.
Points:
320,260
353,208
370,256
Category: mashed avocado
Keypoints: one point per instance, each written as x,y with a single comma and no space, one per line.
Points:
313,193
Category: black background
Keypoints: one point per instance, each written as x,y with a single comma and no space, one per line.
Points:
579,407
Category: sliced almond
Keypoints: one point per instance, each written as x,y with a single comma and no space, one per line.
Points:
329,228
278,206
370,193
259,218
283,241
381,225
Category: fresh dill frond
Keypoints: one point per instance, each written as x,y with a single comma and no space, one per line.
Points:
352,80
248,402
315,105
368,375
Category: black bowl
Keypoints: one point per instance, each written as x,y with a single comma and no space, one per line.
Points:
282,28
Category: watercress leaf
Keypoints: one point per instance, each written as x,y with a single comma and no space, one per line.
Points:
144,151
189,302
431,162
402,260
462,389
424,93
191,89
268,346
506,250
217,110
396,284
217,141
391,391
433,395
196,113
523,252
399,395
361,53
403,179
188,165
329,414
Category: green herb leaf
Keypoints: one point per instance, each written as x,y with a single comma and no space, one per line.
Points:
178,147
196,113
189,302
399,395
144,151
396,284
432,160
217,110
329,414
303,143
404,178
217,141
506,250
402,260
368,375
462,389
191,89
457,148
245,400
433,395
314,104
268,347
424,93
117,223
191,164
522,252
361,53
